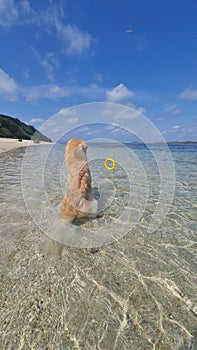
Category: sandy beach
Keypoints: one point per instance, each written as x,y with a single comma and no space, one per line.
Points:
6,144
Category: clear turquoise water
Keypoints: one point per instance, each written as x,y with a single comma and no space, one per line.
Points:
141,289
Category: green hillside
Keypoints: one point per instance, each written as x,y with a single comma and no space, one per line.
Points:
14,128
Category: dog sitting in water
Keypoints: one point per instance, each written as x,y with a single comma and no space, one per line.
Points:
78,201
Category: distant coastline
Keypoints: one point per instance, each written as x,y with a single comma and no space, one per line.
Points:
138,143
163,143
148,143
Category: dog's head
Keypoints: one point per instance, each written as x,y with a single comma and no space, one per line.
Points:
76,148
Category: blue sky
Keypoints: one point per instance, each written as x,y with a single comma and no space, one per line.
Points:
143,54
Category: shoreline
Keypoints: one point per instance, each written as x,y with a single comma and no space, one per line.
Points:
7,144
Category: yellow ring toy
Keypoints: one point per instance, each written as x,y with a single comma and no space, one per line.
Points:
107,166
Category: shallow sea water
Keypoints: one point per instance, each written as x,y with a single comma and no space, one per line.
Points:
139,292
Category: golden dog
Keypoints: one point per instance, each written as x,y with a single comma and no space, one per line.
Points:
78,201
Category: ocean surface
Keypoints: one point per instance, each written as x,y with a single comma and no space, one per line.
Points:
127,279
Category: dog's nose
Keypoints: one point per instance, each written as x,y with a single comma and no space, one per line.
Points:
84,146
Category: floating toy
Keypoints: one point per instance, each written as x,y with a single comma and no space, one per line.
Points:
106,164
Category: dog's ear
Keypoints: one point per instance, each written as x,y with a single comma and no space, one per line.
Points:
82,147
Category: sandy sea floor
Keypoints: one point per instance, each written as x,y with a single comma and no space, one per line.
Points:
136,294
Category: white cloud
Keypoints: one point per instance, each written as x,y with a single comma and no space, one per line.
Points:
176,111
47,91
83,128
118,112
49,63
160,119
98,77
24,5
70,121
73,41
91,92
65,117
18,13
8,87
189,95
65,112
26,73
68,115
175,127
119,93
55,92
172,109
8,13
56,126
93,132
112,127
181,133
36,121
116,129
